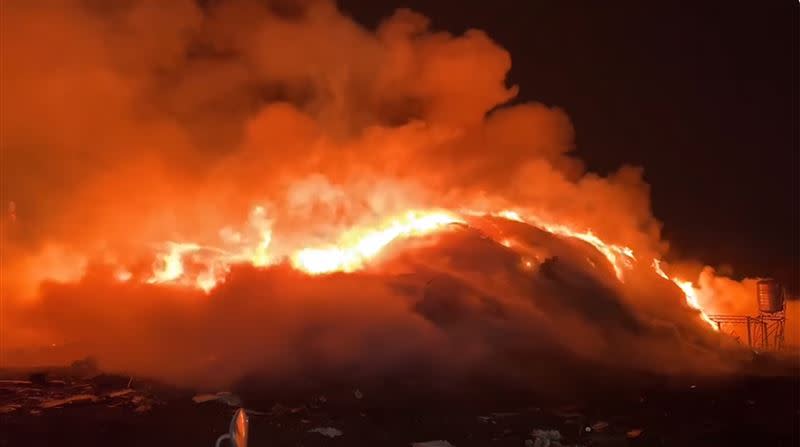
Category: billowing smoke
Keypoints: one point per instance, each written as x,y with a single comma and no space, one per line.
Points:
126,125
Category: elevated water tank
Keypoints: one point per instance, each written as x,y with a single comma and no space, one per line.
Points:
770,296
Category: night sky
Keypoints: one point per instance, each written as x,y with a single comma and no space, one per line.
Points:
703,95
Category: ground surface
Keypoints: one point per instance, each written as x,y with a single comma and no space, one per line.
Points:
104,411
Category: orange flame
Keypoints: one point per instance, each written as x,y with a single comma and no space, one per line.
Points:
169,266
357,247
123,275
620,257
688,291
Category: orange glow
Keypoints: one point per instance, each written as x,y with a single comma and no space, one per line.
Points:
258,220
620,257
657,268
688,291
123,275
351,251
358,247
354,249
298,183
169,266
214,262
510,215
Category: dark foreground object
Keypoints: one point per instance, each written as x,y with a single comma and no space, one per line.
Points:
117,411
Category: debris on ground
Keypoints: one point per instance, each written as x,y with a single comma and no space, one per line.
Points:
121,393
9,408
599,426
202,398
634,433
438,443
43,393
15,382
327,431
79,398
137,414
494,417
546,438
143,407
143,404
225,397
567,414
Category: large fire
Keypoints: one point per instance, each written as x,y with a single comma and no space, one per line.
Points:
688,290
358,247
305,181
354,249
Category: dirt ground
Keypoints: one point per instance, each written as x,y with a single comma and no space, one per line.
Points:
59,409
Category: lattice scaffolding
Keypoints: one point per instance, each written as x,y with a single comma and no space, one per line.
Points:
764,332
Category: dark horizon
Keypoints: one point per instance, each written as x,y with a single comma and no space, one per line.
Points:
702,96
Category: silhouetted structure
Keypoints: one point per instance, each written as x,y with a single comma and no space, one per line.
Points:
765,331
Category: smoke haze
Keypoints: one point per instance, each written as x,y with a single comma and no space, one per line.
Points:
126,125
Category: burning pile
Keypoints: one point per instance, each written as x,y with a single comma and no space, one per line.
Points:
136,137
357,247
